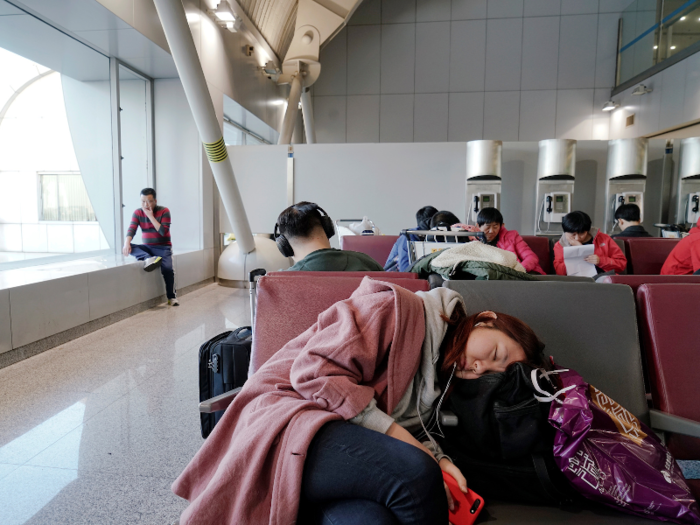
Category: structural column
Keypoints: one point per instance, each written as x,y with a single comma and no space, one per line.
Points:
290,115
189,68
308,112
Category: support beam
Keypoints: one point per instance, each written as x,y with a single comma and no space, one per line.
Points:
290,116
308,111
189,68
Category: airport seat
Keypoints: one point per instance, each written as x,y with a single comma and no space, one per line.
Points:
378,247
547,307
669,315
540,245
635,281
621,244
550,308
564,278
288,305
646,256
607,357
374,275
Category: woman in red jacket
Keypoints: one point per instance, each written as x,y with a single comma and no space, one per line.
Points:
490,222
607,255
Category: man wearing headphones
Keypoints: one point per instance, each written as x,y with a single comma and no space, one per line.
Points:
303,231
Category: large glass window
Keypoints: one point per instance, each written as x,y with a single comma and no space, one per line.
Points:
59,172
655,30
243,128
64,198
56,191
136,145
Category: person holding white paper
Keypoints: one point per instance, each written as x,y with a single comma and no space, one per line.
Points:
606,255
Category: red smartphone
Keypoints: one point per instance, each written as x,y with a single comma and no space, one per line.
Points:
467,506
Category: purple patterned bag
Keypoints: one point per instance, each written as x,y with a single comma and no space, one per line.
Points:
609,456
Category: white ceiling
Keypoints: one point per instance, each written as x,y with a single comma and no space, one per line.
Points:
275,19
83,21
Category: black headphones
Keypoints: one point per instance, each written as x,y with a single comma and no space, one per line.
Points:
326,222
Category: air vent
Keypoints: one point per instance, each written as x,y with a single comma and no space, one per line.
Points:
630,121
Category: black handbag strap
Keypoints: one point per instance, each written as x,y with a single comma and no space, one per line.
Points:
549,487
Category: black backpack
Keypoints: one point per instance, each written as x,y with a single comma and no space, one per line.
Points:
503,441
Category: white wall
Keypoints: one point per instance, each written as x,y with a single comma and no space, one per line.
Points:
674,102
459,70
389,182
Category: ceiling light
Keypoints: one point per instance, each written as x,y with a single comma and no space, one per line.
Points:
673,47
224,12
682,18
278,102
610,105
656,47
192,17
641,89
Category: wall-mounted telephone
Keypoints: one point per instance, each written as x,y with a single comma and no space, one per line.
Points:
693,213
556,205
483,200
631,197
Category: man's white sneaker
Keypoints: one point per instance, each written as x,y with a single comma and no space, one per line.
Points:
152,263
173,302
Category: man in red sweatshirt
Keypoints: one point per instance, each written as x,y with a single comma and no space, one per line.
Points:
156,250
684,259
607,255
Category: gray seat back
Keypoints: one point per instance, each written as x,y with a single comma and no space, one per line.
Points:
591,329
564,278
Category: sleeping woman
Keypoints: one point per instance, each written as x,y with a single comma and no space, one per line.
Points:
334,428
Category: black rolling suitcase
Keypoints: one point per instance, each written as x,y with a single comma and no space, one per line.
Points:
223,366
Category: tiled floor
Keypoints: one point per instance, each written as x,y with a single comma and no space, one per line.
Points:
95,431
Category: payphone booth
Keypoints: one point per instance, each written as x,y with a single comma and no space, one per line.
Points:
483,187
556,166
688,205
626,178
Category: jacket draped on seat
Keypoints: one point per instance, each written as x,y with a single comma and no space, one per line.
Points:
249,470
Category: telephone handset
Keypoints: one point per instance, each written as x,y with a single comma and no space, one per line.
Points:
696,203
556,205
476,204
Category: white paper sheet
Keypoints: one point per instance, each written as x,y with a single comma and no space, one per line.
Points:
574,259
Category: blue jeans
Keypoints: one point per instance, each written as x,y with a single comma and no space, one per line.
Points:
144,251
356,476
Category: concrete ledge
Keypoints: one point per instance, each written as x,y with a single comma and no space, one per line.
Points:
24,352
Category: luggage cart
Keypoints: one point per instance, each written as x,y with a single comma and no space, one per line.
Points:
434,241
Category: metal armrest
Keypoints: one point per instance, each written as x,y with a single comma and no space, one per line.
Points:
676,424
219,402
448,419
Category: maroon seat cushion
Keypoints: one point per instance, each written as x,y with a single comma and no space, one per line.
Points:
375,275
646,256
540,245
670,315
306,297
378,247
635,281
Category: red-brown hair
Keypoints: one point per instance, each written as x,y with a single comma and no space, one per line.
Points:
460,326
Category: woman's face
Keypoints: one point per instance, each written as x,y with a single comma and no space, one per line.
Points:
490,230
488,351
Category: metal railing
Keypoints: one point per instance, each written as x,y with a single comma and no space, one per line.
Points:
655,34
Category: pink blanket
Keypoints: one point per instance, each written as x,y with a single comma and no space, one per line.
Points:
249,470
